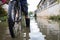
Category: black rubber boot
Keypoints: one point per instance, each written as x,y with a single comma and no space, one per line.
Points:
27,22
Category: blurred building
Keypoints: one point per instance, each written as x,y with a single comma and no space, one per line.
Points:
47,8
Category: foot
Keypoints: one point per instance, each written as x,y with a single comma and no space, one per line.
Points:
27,21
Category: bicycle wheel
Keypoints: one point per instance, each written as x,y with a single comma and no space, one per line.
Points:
12,20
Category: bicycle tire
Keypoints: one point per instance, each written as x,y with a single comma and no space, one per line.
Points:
11,21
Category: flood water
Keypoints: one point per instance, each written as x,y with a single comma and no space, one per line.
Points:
49,28
5,34
31,33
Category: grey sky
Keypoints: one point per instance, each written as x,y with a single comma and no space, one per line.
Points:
32,4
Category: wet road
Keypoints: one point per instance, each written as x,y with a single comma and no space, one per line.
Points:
49,28
34,33
5,35
37,30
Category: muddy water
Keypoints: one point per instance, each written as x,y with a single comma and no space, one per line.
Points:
5,35
35,33
49,28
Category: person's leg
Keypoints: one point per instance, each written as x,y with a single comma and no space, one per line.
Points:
25,10
24,7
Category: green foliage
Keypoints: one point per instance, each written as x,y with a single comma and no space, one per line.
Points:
2,12
3,18
30,13
56,18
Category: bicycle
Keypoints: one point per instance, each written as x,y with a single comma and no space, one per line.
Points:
15,17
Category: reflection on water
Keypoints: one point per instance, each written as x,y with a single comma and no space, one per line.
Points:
49,28
35,33
5,35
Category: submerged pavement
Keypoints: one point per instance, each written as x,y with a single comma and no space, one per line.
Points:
35,33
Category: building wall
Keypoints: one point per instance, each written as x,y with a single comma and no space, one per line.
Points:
54,10
49,10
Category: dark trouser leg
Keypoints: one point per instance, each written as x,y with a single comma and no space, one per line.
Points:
24,7
25,10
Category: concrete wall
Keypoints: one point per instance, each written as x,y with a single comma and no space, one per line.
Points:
50,11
